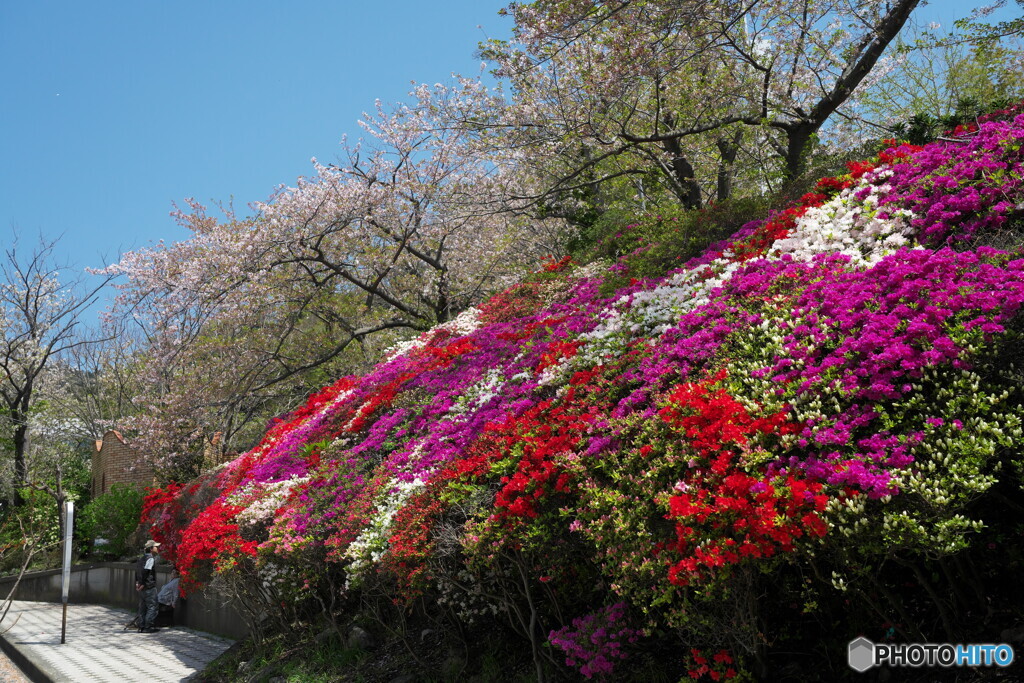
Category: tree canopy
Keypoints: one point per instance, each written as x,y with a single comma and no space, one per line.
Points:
637,104
249,313
684,87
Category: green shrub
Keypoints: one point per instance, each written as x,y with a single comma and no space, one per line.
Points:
31,527
651,244
113,516
923,127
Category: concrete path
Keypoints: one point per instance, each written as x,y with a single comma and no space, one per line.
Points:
97,647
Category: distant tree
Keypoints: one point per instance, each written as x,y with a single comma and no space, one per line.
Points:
93,385
976,29
113,516
58,459
931,82
39,321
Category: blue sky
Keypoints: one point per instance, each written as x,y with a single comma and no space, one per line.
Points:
112,111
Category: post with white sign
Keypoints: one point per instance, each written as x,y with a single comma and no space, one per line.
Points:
65,582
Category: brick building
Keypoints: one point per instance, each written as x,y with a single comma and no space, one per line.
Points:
213,453
115,462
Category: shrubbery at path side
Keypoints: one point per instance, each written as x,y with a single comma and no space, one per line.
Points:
812,428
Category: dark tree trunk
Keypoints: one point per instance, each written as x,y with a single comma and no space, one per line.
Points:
866,55
728,148
20,438
798,148
682,171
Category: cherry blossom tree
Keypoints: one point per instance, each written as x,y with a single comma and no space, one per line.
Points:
404,233
39,320
617,87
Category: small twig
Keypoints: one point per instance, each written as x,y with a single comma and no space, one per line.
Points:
8,629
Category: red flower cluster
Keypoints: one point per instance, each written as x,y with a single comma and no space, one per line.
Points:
212,538
156,498
312,406
412,542
557,350
539,435
543,433
896,151
859,168
717,667
160,509
711,419
833,186
550,265
722,513
738,517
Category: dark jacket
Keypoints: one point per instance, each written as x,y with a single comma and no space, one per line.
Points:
143,576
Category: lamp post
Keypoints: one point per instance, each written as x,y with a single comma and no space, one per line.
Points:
65,583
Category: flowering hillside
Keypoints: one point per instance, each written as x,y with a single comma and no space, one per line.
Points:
820,411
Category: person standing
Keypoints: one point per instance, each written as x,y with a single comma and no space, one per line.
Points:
145,585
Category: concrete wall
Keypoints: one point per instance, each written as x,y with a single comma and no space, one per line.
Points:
113,584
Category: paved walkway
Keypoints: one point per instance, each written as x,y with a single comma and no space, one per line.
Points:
97,647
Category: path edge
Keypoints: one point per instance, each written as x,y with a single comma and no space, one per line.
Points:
35,670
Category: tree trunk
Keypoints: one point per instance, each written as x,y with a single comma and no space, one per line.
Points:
683,175
798,148
20,447
728,149
20,438
870,50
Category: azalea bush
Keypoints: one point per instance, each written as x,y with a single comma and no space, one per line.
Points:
819,413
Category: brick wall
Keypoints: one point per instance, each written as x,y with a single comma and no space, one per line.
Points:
115,462
214,454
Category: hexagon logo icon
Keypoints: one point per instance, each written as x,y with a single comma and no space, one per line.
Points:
861,655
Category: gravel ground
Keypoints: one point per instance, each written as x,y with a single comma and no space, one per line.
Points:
10,673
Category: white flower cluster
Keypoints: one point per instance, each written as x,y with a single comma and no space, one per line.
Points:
475,396
372,543
846,224
652,312
261,500
595,268
461,325
850,226
466,596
